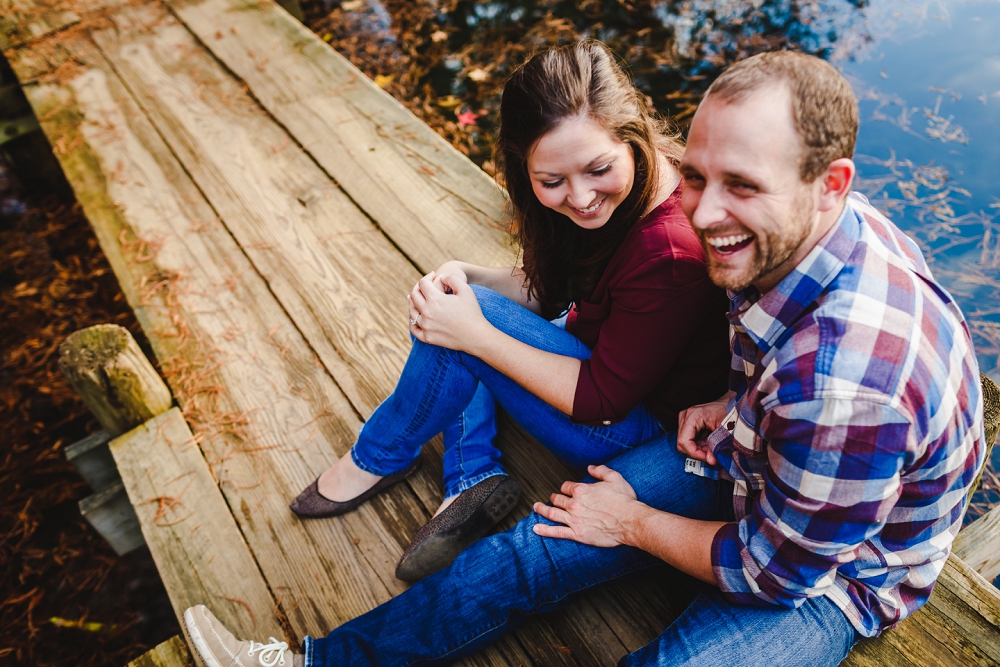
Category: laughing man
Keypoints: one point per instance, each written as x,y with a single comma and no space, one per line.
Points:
823,503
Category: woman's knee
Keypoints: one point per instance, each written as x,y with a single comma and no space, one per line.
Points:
490,302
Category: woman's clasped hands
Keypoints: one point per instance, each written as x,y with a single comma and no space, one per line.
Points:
444,311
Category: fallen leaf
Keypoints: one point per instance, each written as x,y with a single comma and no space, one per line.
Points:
467,118
382,80
327,37
449,102
479,74
439,36
352,5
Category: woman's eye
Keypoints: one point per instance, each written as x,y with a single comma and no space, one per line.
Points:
600,172
551,184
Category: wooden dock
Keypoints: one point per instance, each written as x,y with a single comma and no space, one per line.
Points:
266,209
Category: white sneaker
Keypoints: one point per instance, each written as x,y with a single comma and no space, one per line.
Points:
219,648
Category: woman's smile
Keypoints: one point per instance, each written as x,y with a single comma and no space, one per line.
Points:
579,162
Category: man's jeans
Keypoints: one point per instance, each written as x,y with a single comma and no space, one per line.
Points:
444,390
499,580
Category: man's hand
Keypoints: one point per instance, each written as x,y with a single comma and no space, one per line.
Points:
601,514
691,424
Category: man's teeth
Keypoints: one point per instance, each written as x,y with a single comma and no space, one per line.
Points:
725,241
592,208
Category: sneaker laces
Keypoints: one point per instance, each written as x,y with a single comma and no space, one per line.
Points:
270,654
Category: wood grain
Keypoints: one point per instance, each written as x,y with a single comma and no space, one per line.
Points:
430,199
112,375
978,544
195,542
959,625
171,653
202,304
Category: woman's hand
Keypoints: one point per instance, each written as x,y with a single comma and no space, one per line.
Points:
444,312
602,514
452,268
691,423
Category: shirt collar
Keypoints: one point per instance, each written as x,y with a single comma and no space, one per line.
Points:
766,317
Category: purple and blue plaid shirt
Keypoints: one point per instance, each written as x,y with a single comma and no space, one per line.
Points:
855,432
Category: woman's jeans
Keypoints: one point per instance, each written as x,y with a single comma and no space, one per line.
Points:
498,581
441,390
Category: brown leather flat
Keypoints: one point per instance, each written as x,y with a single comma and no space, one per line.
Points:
312,505
468,518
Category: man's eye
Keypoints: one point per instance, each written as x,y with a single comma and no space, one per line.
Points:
551,184
694,181
744,187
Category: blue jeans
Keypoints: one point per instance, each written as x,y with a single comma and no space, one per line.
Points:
441,390
501,579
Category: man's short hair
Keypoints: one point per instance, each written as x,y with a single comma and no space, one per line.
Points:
824,107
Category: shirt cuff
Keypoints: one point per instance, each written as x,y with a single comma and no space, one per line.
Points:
735,581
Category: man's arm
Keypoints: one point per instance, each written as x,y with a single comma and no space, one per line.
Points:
607,514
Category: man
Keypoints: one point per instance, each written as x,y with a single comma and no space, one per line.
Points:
824,502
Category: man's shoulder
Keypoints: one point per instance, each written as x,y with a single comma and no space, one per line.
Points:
883,329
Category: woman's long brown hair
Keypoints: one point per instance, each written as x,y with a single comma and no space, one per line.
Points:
562,261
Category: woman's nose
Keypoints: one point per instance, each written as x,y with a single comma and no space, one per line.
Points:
580,195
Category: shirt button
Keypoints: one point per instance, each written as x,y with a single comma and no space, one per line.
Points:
607,422
730,426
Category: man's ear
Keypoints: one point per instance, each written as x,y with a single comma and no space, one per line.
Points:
835,183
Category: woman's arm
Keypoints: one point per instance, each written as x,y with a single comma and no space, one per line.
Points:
507,280
455,321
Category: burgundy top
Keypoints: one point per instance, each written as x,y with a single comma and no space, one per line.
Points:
656,326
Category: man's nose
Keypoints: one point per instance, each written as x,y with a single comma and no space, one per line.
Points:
709,209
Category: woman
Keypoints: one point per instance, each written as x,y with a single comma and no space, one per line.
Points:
595,205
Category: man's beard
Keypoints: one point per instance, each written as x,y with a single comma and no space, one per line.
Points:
776,249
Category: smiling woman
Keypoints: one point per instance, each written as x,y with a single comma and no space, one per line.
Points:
595,204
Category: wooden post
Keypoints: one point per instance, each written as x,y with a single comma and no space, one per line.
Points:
114,378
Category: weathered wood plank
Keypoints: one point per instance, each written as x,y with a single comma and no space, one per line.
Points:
210,318
978,544
959,625
270,416
342,282
431,200
197,546
171,653
158,64
24,20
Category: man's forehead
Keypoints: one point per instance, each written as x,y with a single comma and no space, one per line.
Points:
754,128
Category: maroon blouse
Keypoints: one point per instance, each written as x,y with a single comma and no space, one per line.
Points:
656,326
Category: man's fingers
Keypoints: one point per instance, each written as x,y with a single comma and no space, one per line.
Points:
560,532
552,513
568,488
604,473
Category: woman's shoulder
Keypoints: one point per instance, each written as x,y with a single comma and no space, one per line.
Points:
665,234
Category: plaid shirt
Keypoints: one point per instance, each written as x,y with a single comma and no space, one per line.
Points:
855,432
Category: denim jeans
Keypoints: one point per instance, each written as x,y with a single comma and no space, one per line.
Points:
498,581
441,390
